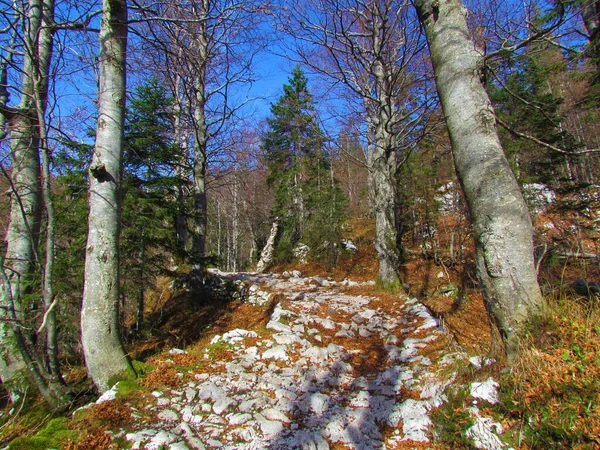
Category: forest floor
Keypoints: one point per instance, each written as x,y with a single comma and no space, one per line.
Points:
332,365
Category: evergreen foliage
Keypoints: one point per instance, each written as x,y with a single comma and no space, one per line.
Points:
527,101
309,202
149,201
149,188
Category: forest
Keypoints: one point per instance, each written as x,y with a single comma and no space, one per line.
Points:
299,224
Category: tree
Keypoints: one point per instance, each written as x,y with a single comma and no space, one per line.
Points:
150,184
502,226
26,274
210,45
308,200
103,351
374,49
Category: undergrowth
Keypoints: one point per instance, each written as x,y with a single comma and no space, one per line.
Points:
551,399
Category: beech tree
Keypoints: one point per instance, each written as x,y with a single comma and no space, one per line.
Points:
24,265
103,351
209,48
501,222
373,48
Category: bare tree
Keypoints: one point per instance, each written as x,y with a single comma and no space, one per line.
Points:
209,46
104,353
502,226
30,45
374,48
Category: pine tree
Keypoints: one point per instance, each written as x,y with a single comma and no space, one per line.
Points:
308,200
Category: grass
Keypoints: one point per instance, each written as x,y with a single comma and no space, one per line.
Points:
551,399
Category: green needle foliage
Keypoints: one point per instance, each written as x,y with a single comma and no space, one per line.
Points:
308,200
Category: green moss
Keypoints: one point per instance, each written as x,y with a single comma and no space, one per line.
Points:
452,419
52,436
141,368
127,387
393,287
125,375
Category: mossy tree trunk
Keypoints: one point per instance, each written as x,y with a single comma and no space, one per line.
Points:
104,354
501,222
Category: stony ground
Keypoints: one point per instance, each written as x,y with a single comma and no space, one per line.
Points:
333,368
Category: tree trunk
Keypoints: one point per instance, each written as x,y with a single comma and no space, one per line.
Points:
23,229
25,213
503,229
383,185
182,143
200,146
266,256
103,351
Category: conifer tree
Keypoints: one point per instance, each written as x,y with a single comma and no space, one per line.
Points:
308,200
149,184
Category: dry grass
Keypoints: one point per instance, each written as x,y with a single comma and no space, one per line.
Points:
554,389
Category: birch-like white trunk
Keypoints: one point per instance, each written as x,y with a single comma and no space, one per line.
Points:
503,229
25,212
103,351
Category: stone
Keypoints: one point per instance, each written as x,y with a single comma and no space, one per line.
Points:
278,352
168,415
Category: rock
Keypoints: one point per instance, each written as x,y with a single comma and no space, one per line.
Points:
177,351
483,432
274,414
168,415
586,289
268,427
301,253
278,352
111,394
487,390
238,419
349,246
221,405
238,335
161,440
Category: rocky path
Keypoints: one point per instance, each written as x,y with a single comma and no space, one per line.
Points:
332,369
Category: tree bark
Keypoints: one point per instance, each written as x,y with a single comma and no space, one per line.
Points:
382,178
200,144
502,226
103,351
25,213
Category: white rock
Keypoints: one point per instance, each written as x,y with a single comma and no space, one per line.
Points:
168,415
238,335
274,414
269,428
487,390
221,405
111,394
177,351
238,419
278,352
416,422
483,433
161,440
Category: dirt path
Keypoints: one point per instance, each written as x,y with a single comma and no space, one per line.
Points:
333,369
